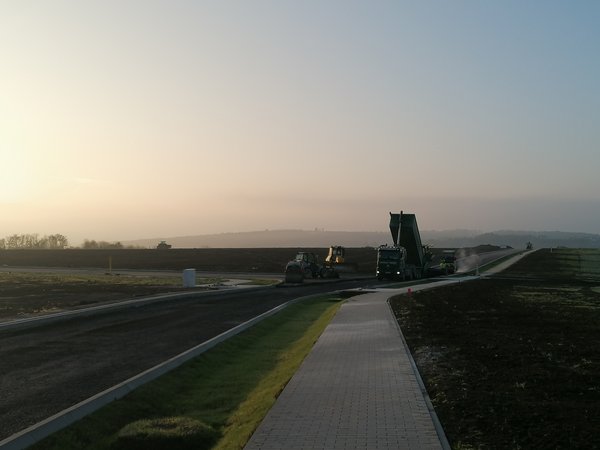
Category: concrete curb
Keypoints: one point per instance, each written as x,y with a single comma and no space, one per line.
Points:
453,280
436,421
37,432
312,282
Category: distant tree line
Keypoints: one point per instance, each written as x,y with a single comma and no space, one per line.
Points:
53,242
93,244
34,241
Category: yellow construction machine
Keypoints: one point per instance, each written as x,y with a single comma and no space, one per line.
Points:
336,259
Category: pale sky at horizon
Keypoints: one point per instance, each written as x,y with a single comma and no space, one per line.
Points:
135,119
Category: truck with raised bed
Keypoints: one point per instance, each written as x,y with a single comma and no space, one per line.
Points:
407,258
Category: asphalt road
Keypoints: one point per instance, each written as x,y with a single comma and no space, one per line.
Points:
471,262
46,369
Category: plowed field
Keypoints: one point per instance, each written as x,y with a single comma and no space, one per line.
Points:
513,361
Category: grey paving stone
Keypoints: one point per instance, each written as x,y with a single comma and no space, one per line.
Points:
355,390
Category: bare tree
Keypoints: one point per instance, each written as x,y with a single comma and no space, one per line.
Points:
33,241
60,241
89,244
101,244
13,241
56,241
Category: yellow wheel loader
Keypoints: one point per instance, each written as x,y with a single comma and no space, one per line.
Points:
336,259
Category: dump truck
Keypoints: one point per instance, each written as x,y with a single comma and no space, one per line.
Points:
407,258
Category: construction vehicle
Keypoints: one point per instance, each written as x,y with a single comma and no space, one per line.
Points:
336,259
407,258
307,265
448,262
300,267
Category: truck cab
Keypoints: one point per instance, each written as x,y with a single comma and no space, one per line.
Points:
391,262
448,262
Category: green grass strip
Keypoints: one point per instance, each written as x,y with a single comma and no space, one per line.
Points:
230,387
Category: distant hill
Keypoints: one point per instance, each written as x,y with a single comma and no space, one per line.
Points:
323,238
518,239
271,238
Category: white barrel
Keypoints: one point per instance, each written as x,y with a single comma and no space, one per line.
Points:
189,278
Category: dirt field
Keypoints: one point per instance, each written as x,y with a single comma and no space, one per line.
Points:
247,260
26,294
513,361
260,260
22,295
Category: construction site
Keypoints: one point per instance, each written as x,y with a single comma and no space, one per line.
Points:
505,353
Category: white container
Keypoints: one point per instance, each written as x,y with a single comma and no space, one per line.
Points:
189,278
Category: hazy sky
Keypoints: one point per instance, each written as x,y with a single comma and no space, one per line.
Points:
132,119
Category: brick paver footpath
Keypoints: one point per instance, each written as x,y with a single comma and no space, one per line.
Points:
356,389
